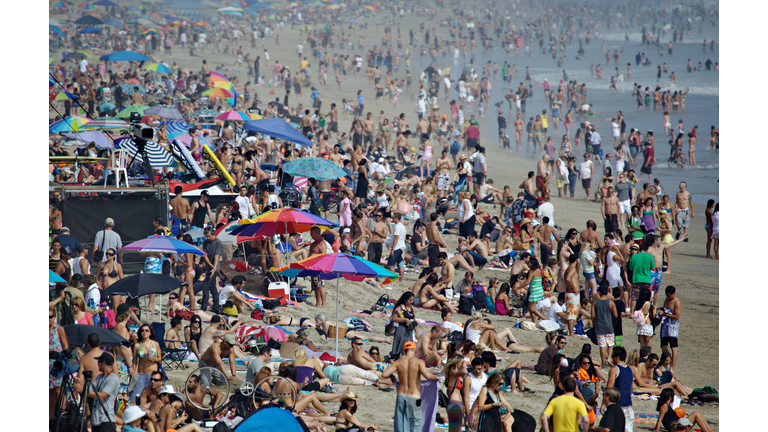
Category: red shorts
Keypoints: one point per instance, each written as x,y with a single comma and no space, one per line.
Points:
539,181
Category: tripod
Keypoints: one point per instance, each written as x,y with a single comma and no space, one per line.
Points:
76,424
141,148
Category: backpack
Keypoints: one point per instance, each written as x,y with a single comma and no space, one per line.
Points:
638,317
456,147
381,304
456,336
67,317
358,324
466,305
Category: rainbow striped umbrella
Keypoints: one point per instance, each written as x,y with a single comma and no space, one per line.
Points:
218,92
335,266
86,6
107,124
69,124
163,244
65,96
281,221
151,31
157,67
234,116
60,4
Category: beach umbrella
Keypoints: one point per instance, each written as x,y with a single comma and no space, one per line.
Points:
51,81
158,156
107,124
280,221
144,284
314,167
53,277
86,6
162,244
278,128
89,30
59,4
202,24
114,23
92,136
185,138
106,106
176,127
229,9
126,113
205,112
151,31
124,56
164,112
158,67
56,30
335,266
224,234
68,124
105,3
88,20
218,92
77,335
234,116
145,22
65,96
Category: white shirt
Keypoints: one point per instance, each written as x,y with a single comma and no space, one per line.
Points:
615,128
225,293
547,209
585,170
244,203
476,386
83,65
460,116
421,105
595,138
300,48
451,326
400,233
93,296
552,315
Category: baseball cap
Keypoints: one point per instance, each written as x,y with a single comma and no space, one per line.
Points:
106,358
123,308
381,160
204,193
167,389
540,199
67,250
346,230
230,339
409,345
109,221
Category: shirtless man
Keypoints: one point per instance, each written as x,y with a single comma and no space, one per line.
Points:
572,289
88,361
590,235
477,249
197,394
435,241
530,191
375,245
180,212
446,273
306,124
610,209
358,357
421,127
505,240
541,170
151,393
443,169
172,339
430,347
317,247
195,147
657,249
369,126
521,265
649,190
217,329
546,236
401,143
333,120
336,157
409,371
683,209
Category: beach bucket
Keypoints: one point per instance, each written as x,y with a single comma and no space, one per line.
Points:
332,332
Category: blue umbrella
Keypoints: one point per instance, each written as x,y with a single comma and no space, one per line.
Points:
124,56
114,23
53,277
278,128
56,30
105,3
89,20
178,127
88,30
106,106
162,244
92,136
164,112
51,81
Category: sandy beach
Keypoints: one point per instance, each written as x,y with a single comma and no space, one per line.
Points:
696,278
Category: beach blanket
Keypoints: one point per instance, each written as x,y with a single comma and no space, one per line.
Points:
376,314
640,418
248,333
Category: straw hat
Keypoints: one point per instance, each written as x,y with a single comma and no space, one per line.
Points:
525,221
435,107
348,395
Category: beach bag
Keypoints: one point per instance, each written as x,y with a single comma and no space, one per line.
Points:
456,147
473,416
390,328
66,316
358,324
381,304
99,254
517,244
466,305
257,314
456,336
442,399
107,318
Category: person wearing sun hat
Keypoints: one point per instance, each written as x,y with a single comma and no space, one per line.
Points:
132,418
345,419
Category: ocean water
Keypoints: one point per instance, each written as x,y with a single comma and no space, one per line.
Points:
702,102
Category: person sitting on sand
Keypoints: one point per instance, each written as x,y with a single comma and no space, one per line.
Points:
322,324
671,420
300,359
345,419
428,297
431,346
643,376
361,359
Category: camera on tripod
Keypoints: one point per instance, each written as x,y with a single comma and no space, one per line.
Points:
66,363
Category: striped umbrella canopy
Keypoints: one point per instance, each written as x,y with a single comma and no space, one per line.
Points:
107,124
165,112
158,156
234,116
69,124
186,139
92,136
58,4
157,67
176,127
126,113
150,31
86,6
65,96
206,112
280,221
162,244
314,167
218,92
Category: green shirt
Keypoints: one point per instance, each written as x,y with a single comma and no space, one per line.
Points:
641,264
635,222
505,70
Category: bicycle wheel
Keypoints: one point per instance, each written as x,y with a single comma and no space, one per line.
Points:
260,397
216,388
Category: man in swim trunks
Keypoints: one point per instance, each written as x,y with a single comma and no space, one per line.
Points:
610,209
361,359
656,249
431,346
180,211
435,241
683,209
572,289
410,371
443,168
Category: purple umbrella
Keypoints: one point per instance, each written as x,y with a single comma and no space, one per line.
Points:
164,112
92,136
163,244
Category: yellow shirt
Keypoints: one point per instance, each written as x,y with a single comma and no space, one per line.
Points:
567,411
544,122
304,64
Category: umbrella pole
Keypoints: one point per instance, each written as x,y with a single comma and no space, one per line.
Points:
337,317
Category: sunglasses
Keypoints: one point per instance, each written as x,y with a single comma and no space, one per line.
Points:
51,316
172,298
146,331
110,254
375,353
379,216
156,380
359,344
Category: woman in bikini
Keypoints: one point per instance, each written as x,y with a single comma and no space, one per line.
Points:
386,134
313,401
192,332
146,359
109,272
187,262
237,166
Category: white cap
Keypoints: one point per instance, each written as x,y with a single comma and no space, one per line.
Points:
167,389
381,160
346,230
564,362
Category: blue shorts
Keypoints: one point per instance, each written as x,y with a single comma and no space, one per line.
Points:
588,276
655,280
479,260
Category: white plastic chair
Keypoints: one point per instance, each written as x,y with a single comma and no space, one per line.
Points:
118,163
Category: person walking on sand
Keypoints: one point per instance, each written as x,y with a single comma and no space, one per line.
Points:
603,312
683,210
566,411
621,378
409,372
670,323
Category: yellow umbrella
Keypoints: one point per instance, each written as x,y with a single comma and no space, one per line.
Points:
445,71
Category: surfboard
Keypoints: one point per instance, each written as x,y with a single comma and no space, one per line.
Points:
182,153
208,154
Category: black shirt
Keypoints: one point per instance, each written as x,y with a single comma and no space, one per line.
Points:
613,418
502,122
415,240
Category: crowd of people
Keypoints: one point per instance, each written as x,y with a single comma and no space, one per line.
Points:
412,181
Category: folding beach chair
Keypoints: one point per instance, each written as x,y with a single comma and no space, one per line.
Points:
172,357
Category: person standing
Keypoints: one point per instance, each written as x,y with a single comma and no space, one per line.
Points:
106,239
648,161
586,171
212,259
670,323
613,418
683,210
104,388
397,251
603,312
621,378
466,215
566,411
479,170
409,371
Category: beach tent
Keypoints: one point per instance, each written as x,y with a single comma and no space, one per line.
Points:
278,128
272,418
114,23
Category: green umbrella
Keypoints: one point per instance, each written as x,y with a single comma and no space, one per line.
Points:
126,113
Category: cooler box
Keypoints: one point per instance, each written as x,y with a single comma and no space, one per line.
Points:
278,289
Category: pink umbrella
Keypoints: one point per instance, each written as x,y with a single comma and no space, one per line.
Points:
234,116
186,139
